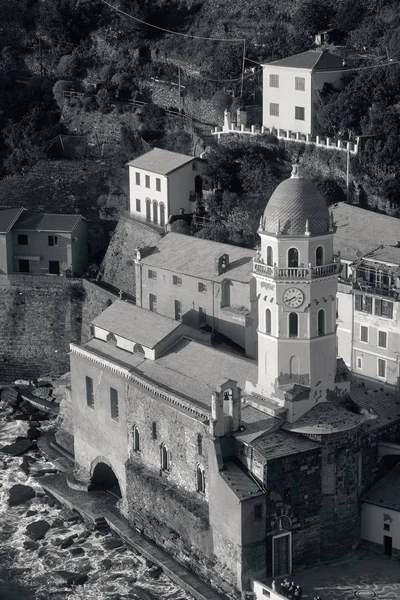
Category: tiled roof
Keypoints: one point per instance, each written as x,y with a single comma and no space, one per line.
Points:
36,222
196,257
315,60
135,324
188,368
161,161
281,443
240,483
379,407
295,201
255,423
365,232
8,216
386,492
325,418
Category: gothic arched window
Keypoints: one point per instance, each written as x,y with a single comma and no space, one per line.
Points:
199,444
270,256
162,214
267,320
319,256
321,322
293,257
136,439
293,325
200,479
164,458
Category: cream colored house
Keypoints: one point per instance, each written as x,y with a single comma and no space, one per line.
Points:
291,86
162,183
368,302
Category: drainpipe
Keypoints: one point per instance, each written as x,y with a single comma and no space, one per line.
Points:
213,312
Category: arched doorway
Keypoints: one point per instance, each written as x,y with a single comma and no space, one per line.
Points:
104,479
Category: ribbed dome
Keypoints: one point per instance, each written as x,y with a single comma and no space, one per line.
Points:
294,202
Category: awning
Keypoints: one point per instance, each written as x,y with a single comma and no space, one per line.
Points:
26,257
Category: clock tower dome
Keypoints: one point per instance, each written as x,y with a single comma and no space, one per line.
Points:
296,277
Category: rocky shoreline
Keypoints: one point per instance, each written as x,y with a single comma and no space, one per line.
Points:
52,552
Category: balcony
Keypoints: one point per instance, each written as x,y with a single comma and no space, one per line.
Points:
378,290
296,272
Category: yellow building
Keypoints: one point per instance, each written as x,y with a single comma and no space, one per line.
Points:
291,86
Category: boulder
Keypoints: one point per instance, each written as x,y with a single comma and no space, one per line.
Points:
31,513
19,447
57,523
37,530
106,563
31,545
33,434
155,572
73,578
67,543
25,466
19,494
78,551
112,543
11,396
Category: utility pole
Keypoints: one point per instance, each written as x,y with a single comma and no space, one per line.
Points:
243,63
348,174
40,55
179,85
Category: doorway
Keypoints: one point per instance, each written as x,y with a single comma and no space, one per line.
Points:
387,543
54,267
282,555
23,266
104,478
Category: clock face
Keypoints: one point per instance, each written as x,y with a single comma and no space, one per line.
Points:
293,297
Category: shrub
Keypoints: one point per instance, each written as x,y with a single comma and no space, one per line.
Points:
58,91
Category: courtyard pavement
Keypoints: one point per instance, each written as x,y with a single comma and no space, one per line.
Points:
366,576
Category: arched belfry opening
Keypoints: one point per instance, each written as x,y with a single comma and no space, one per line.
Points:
104,479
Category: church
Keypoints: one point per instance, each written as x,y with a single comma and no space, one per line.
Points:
242,468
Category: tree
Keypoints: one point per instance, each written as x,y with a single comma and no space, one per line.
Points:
181,226
221,101
331,189
314,16
58,91
216,233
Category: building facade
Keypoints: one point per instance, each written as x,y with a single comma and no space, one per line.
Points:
43,244
291,87
242,469
162,184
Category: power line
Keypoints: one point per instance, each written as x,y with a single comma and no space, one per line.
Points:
347,69
197,37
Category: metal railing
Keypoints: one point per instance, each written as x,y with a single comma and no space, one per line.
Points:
388,292
296,272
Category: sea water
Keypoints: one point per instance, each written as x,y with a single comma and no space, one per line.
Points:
31,574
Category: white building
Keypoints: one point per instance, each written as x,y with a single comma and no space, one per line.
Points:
291,86
368,301
162,183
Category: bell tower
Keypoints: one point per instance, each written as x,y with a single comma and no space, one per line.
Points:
296,277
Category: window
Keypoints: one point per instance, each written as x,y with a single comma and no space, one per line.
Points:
386,526
89,392
154,430
381,367
153,302
53,240
202,316
199,444
266,593
138,207
382,339
363,303
270,256
147,180
257,512
148,209
202,287
293,257
359,362
384,308
135,439
274,109
200,480
300,84
23,266
165,459
158,184
267,321
274,81
162,214
114,404
178,310
321,322
151,274
155,212
22,239
319,256
111,339
137,178
138,349
299,113
293,325
176,280
364,333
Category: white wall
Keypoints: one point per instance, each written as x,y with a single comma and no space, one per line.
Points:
142,193
372,524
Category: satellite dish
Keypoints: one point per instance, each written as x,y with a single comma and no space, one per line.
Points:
64,266
359,254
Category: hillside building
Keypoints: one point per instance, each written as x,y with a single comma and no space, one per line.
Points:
243,469
162,184
291,86
42,244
